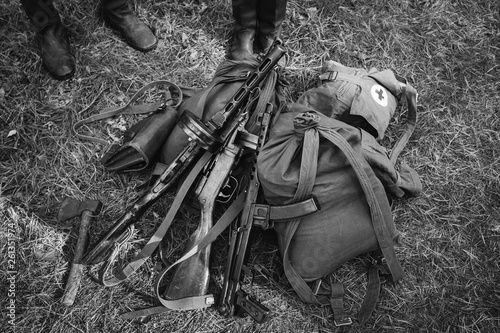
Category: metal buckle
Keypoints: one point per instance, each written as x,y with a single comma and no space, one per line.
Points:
346,321
332,76
381,263
321,288
261,216
210,300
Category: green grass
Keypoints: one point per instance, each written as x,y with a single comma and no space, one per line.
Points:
448,50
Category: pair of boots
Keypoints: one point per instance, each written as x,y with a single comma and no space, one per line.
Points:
255,20
54,43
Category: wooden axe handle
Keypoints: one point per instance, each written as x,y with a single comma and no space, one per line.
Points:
76,272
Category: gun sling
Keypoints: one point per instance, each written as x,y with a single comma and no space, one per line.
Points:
294,210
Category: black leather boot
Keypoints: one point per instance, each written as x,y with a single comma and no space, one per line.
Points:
245,17
55,51
51,37
270,17
137,34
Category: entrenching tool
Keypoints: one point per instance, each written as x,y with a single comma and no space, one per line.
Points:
71,208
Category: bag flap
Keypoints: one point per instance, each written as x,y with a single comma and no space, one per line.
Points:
376,104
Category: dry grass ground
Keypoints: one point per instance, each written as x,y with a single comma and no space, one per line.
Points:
449,51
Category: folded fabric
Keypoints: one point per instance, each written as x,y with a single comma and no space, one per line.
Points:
141,142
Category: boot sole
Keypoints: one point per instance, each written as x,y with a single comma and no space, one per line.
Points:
143,49
64,77
61,77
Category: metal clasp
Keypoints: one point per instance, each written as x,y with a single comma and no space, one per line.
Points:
346,321
261,216
332,76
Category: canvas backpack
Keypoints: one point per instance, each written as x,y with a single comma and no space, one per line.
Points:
325,146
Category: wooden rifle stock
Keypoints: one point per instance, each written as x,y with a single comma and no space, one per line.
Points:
192,276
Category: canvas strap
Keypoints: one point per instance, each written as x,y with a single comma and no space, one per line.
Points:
340,318
372,293
379,225
411,121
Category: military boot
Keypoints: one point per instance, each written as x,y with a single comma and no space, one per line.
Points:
245,17
51,38
270,17
137,34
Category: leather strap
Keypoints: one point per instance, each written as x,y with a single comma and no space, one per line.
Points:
128,108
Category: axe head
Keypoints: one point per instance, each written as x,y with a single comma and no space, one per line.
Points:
71,207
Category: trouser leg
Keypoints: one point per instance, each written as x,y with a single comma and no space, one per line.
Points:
245,23
270,17
41,13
